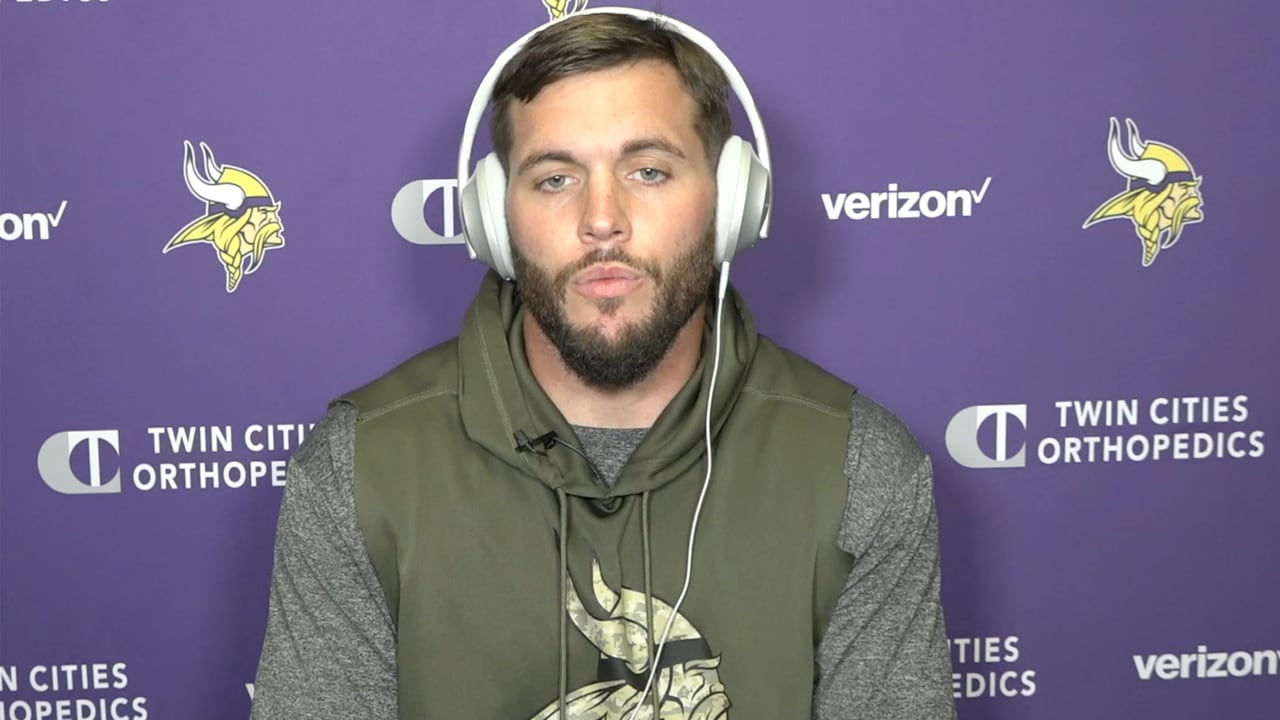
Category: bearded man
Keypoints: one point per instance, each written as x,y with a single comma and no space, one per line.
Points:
504,526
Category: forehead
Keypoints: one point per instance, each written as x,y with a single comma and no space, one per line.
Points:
610,105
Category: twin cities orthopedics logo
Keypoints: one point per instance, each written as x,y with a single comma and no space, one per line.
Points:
189,457
67,691
241,217
990,667
896,203
1195,427
408,212
30,225
1163,193
55,464
1205,664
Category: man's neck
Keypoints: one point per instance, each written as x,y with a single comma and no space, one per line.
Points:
635,407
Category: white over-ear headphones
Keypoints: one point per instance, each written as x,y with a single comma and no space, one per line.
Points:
742,178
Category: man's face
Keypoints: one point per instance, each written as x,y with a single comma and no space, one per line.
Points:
611,204
1183,202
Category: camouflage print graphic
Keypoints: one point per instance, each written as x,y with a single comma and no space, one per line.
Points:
1163,195
686,690
557,9
241,220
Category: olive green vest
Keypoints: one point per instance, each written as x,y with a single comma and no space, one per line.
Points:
465,533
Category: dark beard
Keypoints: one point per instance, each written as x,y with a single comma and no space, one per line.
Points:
640,346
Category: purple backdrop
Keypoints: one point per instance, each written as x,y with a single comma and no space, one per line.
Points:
1102,556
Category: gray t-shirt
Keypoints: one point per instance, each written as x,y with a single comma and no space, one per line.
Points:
608,449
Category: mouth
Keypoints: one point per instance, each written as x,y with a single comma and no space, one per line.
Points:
602,282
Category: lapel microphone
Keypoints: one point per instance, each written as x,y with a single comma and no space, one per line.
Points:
540,444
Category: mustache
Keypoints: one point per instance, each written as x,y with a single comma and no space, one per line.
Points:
1187,205
267,231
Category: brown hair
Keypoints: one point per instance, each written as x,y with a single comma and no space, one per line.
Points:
585,43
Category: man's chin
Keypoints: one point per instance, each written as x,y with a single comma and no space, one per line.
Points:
615,311
609,332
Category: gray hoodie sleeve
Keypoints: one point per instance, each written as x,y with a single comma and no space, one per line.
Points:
329,650
884,655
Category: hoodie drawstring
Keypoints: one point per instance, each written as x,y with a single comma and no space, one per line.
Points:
562,500
648,591
564,602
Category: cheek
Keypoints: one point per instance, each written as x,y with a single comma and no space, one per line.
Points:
688,216
702,218
526,228
537,219
705,203
540,237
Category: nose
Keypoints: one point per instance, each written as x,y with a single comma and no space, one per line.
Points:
604,212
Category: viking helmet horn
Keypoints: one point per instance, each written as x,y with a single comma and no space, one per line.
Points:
212,192
623,634
211,166
1136,146
1148,170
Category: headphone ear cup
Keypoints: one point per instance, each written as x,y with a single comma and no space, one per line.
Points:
742,198
484,216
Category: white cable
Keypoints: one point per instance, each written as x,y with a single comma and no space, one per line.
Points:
697,510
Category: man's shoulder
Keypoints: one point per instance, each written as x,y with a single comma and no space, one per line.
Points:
888,471
879,441
784,374
430,373
781,374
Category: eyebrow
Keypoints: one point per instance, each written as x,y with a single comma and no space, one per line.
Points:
632,147
654,143
539,158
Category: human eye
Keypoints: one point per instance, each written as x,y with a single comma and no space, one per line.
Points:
650,176
553,183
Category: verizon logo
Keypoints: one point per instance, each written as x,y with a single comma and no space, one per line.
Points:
898,204
1205,664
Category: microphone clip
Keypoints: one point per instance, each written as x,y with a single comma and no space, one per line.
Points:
538,445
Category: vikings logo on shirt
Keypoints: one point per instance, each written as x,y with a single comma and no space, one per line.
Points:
241,218
1163,194
688,682
557,9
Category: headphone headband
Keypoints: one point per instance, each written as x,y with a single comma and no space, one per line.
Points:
484,93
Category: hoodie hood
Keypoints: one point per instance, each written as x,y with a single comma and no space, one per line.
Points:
498,397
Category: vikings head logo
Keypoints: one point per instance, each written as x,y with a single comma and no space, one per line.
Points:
688,682
557,9
241,219
1163,194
